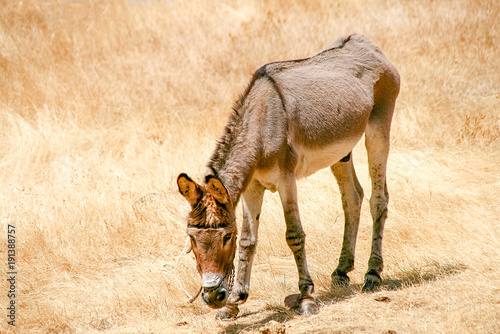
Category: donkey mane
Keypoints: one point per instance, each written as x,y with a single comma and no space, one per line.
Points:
233,126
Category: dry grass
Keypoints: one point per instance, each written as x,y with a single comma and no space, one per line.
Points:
103,103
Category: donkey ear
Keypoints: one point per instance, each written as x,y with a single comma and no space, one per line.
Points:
189,189
216,189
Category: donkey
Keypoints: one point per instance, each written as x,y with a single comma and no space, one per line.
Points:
293,119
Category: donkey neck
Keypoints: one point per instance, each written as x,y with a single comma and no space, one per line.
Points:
237,152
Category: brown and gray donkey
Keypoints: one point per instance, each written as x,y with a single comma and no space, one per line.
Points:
294,118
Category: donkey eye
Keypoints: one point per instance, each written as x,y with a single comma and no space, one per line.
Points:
227,237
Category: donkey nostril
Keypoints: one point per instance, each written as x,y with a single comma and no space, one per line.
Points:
221,296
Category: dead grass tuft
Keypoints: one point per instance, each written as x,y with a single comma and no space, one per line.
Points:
481,127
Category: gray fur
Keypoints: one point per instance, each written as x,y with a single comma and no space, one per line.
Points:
294,118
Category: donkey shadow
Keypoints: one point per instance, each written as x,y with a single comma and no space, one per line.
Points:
432,271
280,314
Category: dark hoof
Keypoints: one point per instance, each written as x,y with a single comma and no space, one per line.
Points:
308,307
340,280
292,301
228,312
372,283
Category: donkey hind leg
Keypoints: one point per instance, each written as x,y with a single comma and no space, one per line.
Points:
377,144
251,203
295,239
352,196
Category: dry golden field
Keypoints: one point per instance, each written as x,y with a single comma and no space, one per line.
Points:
103,104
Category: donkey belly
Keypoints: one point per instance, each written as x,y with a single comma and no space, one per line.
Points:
310,160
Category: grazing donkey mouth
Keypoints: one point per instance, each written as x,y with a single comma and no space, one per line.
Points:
216,289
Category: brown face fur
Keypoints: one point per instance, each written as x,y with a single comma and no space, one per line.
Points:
213,248
211,225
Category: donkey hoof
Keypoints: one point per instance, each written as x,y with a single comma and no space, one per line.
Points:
340,279
228,312
308,307
372,283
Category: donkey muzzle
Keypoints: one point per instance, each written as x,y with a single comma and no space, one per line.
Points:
214,290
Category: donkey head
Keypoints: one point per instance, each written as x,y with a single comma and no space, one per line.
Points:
211,225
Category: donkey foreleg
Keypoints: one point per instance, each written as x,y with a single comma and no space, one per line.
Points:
251,203
295,238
